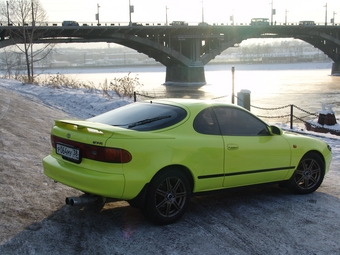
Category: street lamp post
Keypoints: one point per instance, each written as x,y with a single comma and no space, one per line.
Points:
130,11
273,12
33,19
202,13
325,14
98,15
166,15
286,17
334,18
7,14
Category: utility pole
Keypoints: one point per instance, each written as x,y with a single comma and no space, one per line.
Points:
286,18
334,18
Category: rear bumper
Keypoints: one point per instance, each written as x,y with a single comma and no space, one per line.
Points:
93,182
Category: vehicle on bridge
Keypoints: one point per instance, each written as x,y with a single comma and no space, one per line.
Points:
179,23
69,23
203,24
137,24
259,22
307,23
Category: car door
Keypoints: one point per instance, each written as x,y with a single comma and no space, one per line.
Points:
207,161
252,155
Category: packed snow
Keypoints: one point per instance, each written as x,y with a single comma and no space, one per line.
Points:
86,103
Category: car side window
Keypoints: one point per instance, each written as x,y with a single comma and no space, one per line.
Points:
206,123
237,122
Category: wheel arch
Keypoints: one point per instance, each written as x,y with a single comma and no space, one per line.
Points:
321,156
139,200
180,168
309,174
300,157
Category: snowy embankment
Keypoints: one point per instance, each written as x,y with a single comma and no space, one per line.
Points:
80,103
83,104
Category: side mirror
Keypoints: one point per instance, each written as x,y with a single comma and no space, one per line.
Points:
275,130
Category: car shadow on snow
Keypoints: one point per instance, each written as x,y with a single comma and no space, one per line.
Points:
229,218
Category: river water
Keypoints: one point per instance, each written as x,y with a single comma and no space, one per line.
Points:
306,85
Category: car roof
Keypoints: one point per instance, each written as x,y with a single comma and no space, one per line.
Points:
188,102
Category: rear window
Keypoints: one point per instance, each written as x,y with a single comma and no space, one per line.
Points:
142,116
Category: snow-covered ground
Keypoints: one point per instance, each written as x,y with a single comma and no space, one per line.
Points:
79,103
83,104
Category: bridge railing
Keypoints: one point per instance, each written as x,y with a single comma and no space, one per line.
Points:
118,23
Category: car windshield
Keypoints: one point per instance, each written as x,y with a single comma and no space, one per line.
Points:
142,116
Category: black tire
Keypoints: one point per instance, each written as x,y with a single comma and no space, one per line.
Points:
168,197
309,174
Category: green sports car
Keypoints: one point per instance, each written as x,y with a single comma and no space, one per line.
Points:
157,154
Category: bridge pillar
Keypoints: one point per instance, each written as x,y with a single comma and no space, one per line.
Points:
185,76
336,69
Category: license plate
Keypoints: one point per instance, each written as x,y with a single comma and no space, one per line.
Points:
68,152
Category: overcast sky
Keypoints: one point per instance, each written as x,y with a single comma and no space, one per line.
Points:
214,11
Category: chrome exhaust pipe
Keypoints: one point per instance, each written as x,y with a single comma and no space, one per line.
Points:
81,201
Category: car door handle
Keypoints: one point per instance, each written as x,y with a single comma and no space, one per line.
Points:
232,147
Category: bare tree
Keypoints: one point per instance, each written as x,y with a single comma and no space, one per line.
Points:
8,62
27,14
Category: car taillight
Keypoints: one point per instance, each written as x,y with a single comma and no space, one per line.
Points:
110,155
103,154
53,141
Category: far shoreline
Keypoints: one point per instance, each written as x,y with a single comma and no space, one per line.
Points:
208,67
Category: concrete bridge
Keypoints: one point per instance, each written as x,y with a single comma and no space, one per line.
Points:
183,49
